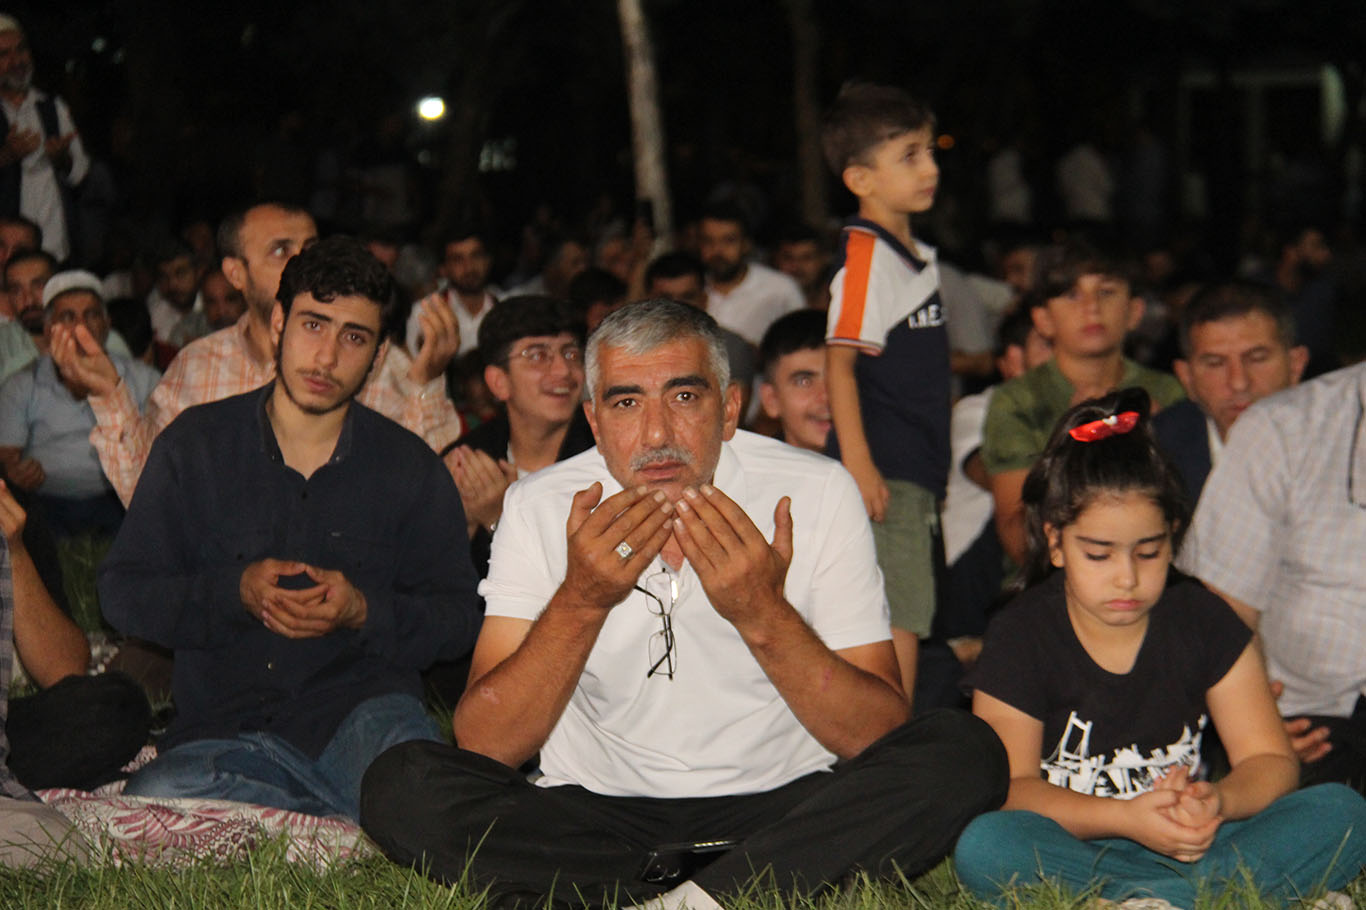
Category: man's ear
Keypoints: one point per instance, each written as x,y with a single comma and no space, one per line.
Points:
277,322
1299,359
1182,369
768,397
731,410
591,413
496,378
1136,308
235,270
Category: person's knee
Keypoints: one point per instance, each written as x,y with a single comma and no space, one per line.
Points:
1339,813
964,748
389,789
988,855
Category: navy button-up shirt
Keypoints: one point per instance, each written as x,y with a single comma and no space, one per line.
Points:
216,496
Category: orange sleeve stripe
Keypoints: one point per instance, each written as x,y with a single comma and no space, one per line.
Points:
858,265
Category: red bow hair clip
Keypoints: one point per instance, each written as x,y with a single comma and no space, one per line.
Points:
1114,425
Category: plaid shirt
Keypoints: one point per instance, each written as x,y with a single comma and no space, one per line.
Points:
1281,526
221,365
9,786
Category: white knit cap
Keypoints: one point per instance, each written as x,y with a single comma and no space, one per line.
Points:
9,24
74,280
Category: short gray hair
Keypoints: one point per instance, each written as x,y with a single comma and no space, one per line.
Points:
640,327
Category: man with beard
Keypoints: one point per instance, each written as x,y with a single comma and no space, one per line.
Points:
465,264
743,296
42,159
688,624
304,558
256,244
25,275
17,235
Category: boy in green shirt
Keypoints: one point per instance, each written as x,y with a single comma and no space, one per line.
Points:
1086,309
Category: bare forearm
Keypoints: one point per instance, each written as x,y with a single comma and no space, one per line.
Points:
1010,527
50,646
844,707
845,411
1255,783
507,714
1082,815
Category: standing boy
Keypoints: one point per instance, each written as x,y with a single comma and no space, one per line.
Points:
1087,309
887,360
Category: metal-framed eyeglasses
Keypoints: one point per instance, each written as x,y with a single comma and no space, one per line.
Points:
662,653
541,356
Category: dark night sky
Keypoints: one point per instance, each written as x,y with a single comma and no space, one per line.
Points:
178,95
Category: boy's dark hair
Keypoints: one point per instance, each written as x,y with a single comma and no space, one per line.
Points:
524,317
1236,298
674,265
726,210
230,228
335,267
595,285
863,117
1060,266
800,331
1013,332
1070,475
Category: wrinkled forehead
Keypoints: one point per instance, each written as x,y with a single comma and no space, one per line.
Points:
645,368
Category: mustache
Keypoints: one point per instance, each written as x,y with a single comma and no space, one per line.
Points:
663,453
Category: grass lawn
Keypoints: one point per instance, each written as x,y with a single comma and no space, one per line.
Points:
267,882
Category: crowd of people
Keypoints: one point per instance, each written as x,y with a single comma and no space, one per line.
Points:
730,567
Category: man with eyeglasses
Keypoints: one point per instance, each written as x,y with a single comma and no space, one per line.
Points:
1279,533
688,624
532,348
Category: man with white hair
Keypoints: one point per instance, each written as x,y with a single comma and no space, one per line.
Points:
45,419
42,159
688,624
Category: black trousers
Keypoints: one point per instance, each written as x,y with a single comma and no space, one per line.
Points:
1345,763
77,733
895,809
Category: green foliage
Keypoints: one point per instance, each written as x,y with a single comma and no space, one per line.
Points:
80,557
267,881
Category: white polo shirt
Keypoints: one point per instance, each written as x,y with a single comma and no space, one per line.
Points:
761,297
719,727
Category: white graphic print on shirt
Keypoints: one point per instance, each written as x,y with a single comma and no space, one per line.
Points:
1124,775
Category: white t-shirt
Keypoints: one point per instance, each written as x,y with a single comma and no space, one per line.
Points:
469,325
756,302
719,726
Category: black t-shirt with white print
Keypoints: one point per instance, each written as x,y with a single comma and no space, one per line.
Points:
1110,734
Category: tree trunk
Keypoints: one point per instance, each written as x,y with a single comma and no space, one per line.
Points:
647,129
806,109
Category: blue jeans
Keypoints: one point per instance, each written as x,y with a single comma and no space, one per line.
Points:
264,769
1304,842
